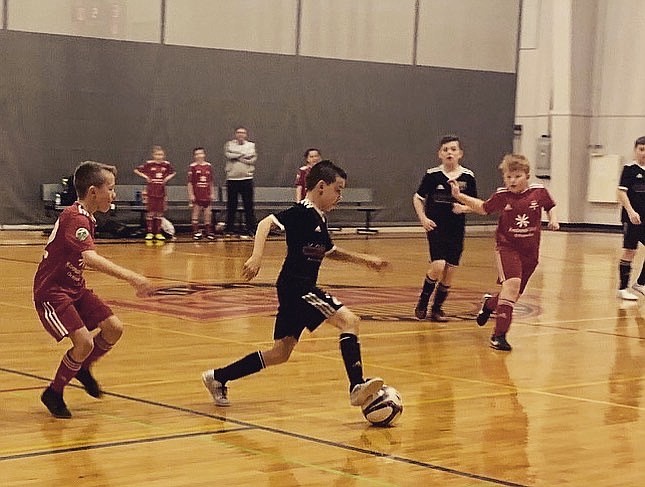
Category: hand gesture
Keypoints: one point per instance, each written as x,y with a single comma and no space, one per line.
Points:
251,268
428,224
454,188
634,217
142,285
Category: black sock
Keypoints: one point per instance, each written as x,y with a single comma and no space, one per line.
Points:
428,288
248,365
641,278
350,349
625,270
440,296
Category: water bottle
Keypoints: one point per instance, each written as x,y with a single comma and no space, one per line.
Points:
57,199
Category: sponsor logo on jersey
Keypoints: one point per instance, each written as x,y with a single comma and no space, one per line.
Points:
522,221
82,234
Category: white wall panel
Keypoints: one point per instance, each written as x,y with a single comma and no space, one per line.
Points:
469,34
363,30
244,25
133,20
620,69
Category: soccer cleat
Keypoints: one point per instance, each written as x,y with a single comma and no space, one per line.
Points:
217,390
484,312
438,316
160,236
89,383
626,295
361,392
197,235
500,343
149,236
639,288
54,402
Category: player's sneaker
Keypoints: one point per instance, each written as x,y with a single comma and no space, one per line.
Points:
89,383
160,237
210,236
438,316
626,295
421,310
217,390
197,235
500,343
54,402
361,392
639,288
484,312
149,236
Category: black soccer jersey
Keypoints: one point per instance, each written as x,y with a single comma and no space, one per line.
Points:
632,180
434,190
308,241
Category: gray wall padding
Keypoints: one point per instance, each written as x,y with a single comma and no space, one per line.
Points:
68,99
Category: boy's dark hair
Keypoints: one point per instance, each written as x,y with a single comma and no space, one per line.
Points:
90,173
325,171
639,141
198,148
309,150
450,138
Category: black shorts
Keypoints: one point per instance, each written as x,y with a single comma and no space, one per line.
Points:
446,245
632,234
301,308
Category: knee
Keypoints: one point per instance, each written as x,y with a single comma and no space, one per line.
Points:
112,329
351,324
436,269
83,348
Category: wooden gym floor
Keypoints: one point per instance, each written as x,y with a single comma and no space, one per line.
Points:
565,407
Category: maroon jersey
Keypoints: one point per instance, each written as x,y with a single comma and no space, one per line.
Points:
301,176
200,177
520,217
61,269
157,172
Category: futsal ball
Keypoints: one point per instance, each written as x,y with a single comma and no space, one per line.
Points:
384,407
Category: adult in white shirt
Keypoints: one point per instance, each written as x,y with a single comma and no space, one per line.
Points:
240,166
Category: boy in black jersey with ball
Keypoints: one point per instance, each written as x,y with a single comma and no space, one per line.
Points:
301,303
443,220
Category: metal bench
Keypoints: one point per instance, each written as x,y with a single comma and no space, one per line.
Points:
266,198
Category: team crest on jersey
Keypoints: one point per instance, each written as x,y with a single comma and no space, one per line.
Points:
639,176
82,234
440,186
522,221
508,207
534,205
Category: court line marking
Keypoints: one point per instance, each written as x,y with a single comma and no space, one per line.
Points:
112,444
247,426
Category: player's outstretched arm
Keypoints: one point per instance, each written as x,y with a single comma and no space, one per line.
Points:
97,262
252,265
475,204
368,260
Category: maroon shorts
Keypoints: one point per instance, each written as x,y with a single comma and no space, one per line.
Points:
156,205
512,263
203,203
62,315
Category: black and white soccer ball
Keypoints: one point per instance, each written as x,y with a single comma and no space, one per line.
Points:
384,407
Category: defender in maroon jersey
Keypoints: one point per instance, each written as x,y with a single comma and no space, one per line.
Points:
65,306
312,157
520,206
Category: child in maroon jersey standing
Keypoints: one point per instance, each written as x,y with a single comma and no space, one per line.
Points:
157,172
65,306
201,191
520,206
